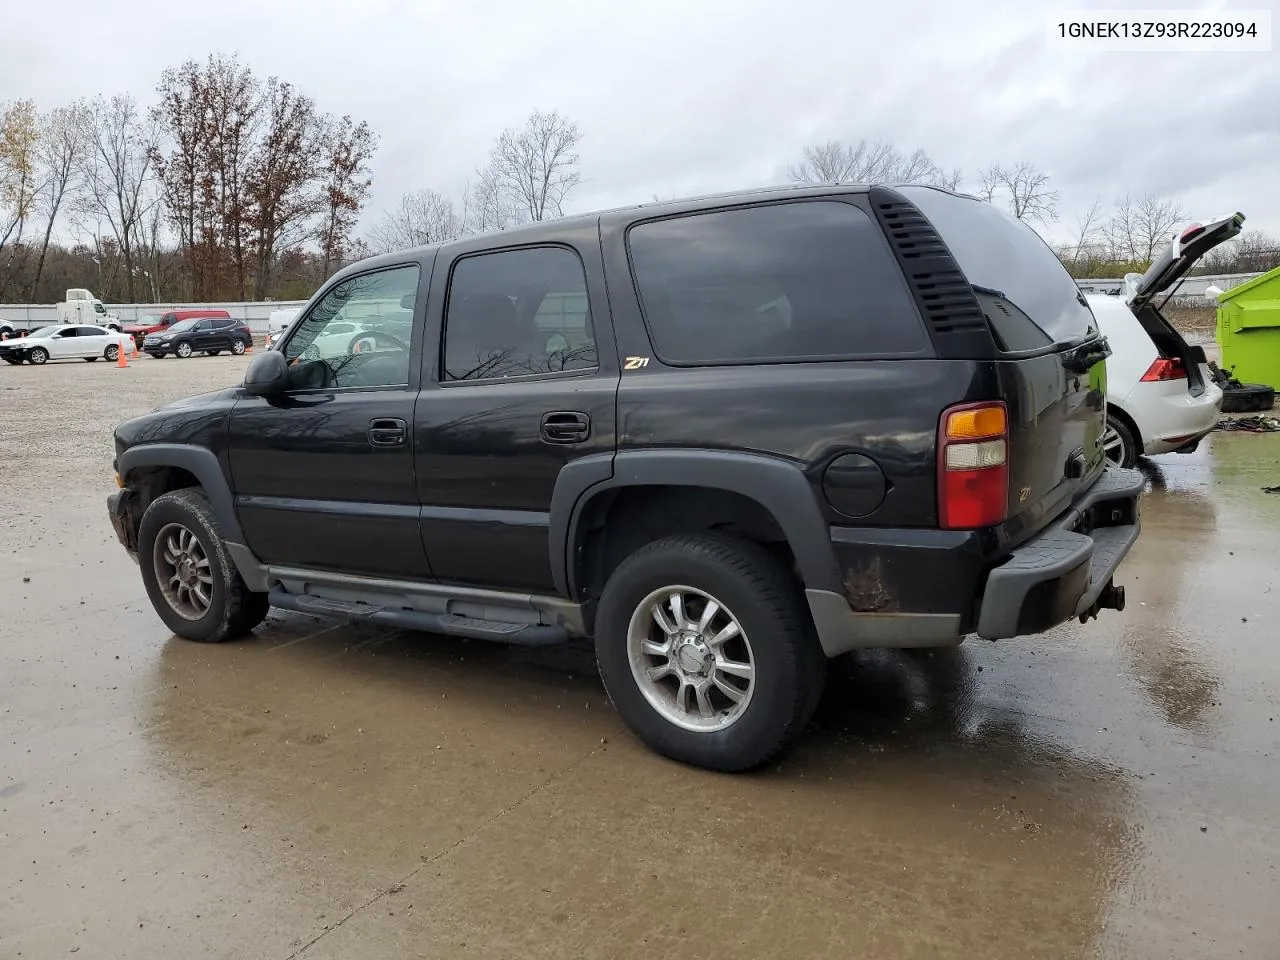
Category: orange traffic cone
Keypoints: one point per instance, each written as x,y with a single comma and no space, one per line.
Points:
133,342
121,359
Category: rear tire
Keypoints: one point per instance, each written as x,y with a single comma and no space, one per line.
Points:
192,582
1119,444
112,353
238,347
745,714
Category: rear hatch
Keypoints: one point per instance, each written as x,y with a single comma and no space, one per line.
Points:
1154,288
1050,368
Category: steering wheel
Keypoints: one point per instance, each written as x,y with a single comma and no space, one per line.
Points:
373,336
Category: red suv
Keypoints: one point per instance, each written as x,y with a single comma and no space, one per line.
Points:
158,323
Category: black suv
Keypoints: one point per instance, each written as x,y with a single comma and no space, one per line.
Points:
728,438
209,335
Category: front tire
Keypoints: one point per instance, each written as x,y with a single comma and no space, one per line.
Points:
38,355
190,578
182,350
706,650
1119,444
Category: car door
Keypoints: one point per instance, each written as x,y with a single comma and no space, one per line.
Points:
93,341
62,345
522,381
202,335
217,336
323,472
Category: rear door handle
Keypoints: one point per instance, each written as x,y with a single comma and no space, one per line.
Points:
565,426
388,432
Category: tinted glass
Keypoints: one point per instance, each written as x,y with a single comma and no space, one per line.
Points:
791,281
323,350
182,326
517,313
1029,298
91,332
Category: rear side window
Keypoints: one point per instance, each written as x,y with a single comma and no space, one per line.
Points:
1029,299
796,281
518,313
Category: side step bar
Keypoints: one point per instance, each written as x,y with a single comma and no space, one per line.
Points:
522,634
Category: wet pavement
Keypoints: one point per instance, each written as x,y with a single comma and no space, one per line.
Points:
325,791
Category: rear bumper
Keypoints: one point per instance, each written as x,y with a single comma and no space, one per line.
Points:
929,588
1063,571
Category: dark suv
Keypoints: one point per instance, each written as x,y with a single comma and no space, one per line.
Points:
210,335
728,438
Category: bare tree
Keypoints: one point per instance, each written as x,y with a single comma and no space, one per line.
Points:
487,205
1138,228
423,217
1023,189
1087,226
868,161
19,183
347,147
61,152
533,169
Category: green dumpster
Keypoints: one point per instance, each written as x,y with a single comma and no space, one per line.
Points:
1249,329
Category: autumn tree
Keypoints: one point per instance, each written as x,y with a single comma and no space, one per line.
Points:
346,149
19,184
282,176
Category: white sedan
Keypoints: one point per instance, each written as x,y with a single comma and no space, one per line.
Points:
1160,395
65,342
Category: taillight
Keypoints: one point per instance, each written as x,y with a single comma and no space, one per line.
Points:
1165,369
973,466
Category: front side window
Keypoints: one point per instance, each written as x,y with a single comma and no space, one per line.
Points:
791,281
358,335
518,313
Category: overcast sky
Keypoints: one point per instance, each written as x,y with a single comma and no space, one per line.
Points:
678,98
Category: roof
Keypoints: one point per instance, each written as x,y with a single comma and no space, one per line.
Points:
1249,285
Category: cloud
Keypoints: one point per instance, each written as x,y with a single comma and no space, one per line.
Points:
677,98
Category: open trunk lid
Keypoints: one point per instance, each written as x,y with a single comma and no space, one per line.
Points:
1168,269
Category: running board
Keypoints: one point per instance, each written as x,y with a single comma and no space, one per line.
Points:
522,634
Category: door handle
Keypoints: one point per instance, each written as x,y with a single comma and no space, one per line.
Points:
387,432
565,426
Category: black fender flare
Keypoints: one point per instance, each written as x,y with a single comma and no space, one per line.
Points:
200,463
778,485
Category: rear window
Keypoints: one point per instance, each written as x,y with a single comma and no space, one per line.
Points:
1026,293
813,280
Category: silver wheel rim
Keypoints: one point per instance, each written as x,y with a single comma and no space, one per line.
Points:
183,572
113,353
690,658
38,357
1113,445
184,350
237,346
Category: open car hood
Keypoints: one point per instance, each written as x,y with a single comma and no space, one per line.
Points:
1173,262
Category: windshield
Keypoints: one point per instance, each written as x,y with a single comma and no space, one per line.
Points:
182,325
1028,297
150,320
44,332
98,308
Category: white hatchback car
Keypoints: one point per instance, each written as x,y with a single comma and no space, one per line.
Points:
1160,395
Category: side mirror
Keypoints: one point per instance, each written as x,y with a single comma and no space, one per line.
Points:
267,374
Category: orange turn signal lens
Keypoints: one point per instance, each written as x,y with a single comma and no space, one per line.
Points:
977,423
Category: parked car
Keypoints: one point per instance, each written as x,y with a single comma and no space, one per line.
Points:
159,323
1161,396
68,342
728,438
209,335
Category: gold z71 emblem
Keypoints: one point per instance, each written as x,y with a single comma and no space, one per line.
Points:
1023,494
635,363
